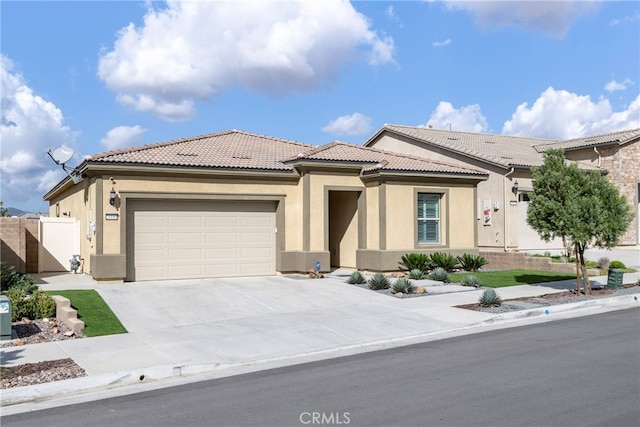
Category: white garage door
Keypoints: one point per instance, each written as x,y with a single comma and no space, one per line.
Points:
182,240
528,238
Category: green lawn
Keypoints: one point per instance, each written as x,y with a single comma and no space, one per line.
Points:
503,278
93,311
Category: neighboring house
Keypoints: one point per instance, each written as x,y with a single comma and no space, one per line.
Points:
240,204
619,154
503,198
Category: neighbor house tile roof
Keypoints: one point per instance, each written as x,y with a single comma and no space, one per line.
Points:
618,138
224,150
501,150
242,150
374,160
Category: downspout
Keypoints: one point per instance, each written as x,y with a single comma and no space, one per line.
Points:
599,156
504,208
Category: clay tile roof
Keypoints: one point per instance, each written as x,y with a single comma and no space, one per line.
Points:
619,138
502,150
374,160
231,149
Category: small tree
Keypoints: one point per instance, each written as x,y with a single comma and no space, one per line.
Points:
3,211
583,207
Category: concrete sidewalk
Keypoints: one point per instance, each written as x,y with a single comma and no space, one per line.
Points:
196,326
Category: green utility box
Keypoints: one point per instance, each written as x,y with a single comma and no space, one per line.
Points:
5,318
614,278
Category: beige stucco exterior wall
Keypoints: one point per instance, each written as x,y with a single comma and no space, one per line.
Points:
192,188
457,207
373,217
491,237
78,202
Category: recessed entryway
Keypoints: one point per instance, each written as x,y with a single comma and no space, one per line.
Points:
343,228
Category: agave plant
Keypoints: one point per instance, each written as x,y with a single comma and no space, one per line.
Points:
439,274
415,262
444,260
469,262
470,280
404,286
379,281
490,298
416,274
356,278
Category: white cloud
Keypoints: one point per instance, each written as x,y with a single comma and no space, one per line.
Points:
613,85
442,43
191,50
562,114
29,126
466,119
625,20
123,136
354,124
553,18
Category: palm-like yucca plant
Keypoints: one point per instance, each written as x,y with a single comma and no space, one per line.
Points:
444,260
415,262
404,286
439,274
490,298
356,278
470,262
470,280
416,274
379,281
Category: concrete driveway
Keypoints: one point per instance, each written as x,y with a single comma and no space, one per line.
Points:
629,255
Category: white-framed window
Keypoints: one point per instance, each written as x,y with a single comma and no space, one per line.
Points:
428,218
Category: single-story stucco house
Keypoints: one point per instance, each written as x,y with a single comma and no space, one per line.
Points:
239,204
503,198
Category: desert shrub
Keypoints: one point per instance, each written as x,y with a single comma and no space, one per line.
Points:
356,278
490,298
7,276
603,263
470,280
416,274
379,281
617,264
404,286
469,262
24,281
443,260
415,262
33,306
439,274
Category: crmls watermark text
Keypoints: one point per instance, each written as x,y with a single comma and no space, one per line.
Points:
324,418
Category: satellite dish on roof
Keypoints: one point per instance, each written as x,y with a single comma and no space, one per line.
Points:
61,155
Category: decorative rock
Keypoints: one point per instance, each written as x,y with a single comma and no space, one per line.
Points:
421,290
25,320
399,294
55,331
52,323
69,334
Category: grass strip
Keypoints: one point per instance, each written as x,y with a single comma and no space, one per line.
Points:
504,278
93,311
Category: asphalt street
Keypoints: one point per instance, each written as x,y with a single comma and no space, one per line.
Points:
576,372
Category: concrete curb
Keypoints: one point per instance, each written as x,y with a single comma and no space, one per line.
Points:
42,392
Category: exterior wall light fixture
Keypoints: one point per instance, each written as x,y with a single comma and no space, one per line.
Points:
515,187
112,197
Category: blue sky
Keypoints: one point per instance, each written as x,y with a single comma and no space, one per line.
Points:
96,76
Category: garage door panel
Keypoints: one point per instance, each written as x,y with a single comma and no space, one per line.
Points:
175,240
223,238
221,254
184,237
255,221
185,254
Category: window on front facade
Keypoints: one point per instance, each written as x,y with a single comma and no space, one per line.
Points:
428,218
